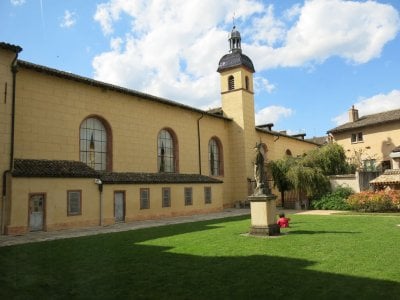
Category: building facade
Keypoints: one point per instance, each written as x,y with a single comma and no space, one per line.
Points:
77,152
369,140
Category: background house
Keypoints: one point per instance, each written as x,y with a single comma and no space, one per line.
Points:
369,140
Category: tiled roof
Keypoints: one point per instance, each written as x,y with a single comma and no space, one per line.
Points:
11,47
391,176
235,59
279,134
89,81
52,168
369,120
117,177
320,140
76,169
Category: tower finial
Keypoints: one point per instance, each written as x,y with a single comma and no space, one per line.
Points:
234,41
233,20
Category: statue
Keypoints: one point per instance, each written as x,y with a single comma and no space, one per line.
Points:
259,172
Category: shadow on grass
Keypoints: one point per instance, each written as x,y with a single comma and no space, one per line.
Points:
115,266
320,232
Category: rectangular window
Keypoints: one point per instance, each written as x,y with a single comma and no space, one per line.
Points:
357,137
166,197
144,198
74,205
188,196
369,165
207,194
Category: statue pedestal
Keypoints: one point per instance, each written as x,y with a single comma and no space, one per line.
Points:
263,213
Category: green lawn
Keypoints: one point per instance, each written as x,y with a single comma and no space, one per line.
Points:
354,257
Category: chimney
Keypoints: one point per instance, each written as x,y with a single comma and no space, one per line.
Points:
353,114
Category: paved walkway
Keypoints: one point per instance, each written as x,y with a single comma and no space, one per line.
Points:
40,236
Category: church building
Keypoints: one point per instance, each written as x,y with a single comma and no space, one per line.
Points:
76,152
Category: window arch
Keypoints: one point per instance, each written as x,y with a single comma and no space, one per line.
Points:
167,151
95,143
288,152
215,157
231,83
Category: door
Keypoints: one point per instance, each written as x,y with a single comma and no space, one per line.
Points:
36,212
119,206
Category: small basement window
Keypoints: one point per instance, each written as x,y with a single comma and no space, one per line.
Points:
74,199
144,198
188,196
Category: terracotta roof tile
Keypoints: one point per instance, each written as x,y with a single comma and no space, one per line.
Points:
117,177
369,120
76,169
11,47
52,168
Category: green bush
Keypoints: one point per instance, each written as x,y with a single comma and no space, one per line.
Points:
334,200
380,201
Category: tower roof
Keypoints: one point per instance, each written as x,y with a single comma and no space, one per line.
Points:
235,57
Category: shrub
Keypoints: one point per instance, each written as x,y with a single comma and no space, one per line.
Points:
335,200
380,201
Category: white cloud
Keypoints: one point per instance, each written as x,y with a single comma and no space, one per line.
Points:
171,48
17,2
355,31
272,114
68,20
263,84
375,104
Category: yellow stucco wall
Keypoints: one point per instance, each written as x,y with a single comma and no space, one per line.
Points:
50,110
56,217
238,104
378,141
6,86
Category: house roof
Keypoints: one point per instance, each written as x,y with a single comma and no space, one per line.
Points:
96,83
74,169
11,47
391,176
117,177
233,60
279,134
52,168
369,120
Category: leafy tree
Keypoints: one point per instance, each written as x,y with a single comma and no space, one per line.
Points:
309,172
330,158
308,179
279,168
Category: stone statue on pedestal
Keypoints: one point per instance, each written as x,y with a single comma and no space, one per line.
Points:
259,172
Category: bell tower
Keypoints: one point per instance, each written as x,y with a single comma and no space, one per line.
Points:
237,95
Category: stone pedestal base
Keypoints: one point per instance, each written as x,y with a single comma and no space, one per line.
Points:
263,215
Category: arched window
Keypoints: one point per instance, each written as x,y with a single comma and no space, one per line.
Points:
288,152
167,151
247,82
215,157
231,83
95,144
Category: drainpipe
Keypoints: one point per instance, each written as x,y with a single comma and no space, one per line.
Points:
14,71
100,186
199,140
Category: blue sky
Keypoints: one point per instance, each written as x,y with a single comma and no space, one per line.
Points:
314,59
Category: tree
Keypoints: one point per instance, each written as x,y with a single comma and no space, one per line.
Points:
279,168
308,173
330,158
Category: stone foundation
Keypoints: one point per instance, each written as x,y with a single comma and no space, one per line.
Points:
272,229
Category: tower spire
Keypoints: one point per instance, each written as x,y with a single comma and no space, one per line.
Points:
235,41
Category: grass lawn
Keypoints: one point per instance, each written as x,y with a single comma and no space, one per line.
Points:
354,257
